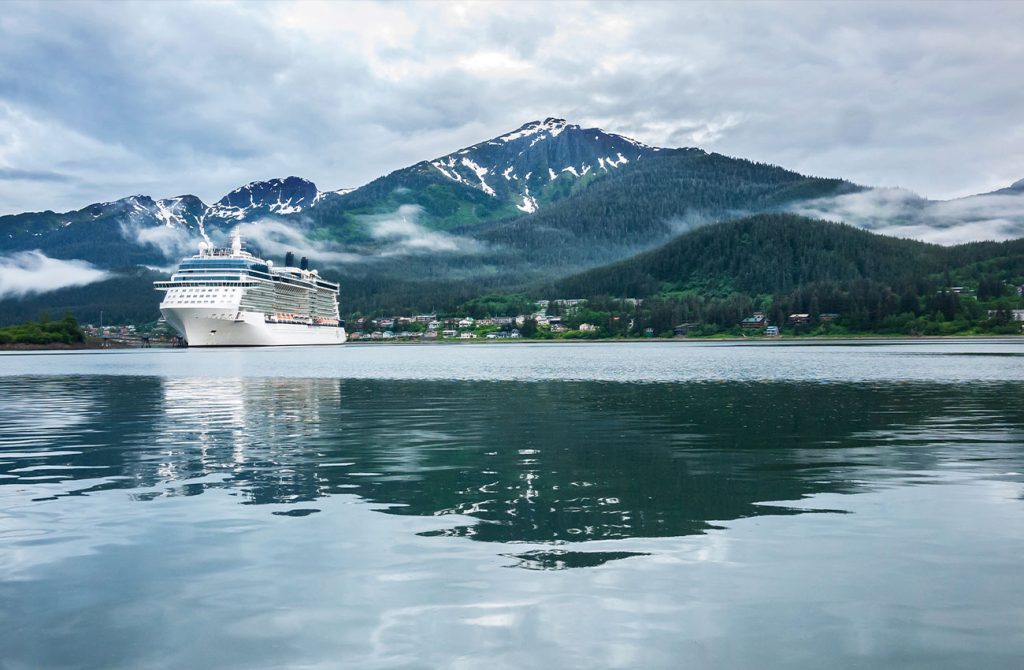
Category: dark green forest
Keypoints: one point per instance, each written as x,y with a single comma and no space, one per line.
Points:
783,264
44,331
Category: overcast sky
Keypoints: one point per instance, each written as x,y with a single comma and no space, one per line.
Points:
99,101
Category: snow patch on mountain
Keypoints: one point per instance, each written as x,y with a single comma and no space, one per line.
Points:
614,162
529,202
550,125
480,171
448,169
323,195
165,213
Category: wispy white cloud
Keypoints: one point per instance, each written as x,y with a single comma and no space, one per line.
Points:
867,209
395,234
901,213
276,238
29,272
172,241
405,236
974,231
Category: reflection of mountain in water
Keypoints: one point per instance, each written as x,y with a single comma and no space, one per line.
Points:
534,462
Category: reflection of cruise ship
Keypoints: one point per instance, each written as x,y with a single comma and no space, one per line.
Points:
228,297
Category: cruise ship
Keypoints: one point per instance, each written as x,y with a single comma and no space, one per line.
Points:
230,298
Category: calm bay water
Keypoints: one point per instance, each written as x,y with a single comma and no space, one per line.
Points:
506,506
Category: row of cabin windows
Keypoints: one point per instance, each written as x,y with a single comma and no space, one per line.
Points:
202,296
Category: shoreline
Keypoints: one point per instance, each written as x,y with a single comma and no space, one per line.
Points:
55,346
759,340
790,341
88,345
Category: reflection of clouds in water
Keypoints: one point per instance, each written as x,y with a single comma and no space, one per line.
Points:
40,413
370,588
544,463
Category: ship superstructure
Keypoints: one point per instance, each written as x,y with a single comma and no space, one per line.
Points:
229,297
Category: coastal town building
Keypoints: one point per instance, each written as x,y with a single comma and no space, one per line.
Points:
757,321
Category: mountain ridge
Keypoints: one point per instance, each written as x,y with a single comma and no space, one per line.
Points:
544,201
555,147
515,174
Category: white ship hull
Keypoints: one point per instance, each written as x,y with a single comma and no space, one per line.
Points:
218,327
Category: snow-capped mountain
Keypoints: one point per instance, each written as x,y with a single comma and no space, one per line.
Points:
509,175
521,165
277,196
504,183
185,211
186,215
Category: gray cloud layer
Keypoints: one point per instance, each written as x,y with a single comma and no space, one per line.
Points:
98,101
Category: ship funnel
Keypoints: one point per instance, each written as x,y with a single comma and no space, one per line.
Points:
304,263
236,242
289,260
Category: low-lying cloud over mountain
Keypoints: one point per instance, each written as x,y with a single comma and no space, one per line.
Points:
990,216
276,238
404,236
30,272
172,242
394,234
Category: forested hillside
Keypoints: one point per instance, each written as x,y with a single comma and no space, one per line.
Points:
782,264
663,194
775,252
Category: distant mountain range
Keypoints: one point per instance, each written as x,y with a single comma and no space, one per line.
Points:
544,201
513,174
